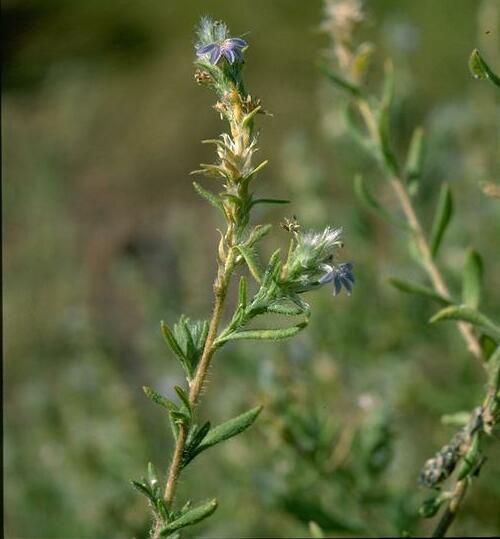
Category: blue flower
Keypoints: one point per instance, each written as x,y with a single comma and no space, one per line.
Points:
341,275
231,49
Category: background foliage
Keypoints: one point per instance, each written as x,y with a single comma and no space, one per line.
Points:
104,236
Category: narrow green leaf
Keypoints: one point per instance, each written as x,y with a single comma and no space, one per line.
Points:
153,476
251,258
184,397
458,419
480,69
274,263
384,131
248,119
171,341
196,436
413,167
210,197
442,218
340,81
229,428
257,234
199,434
288,310
415,288
242,296
470,459
180,416
144,490
367,198
467,314
472,280
159,399
269,201
266,334
258,168
193,516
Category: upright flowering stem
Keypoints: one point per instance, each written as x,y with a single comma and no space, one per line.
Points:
232,97
311,263
220,291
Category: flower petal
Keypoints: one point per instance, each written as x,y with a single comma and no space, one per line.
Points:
230,55
201,51
347,284
337,285
237,42
215,55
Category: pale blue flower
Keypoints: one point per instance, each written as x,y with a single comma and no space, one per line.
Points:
342,276
231,48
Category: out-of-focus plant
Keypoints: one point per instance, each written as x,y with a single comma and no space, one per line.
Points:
368,118
309,264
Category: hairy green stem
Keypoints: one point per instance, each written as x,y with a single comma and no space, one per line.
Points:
220,290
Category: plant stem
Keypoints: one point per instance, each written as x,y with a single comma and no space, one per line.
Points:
220,290
451,510
427,260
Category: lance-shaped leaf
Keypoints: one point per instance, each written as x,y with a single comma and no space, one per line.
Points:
242,292
367,198
251,258
264,334
210,197
419,289
171,340
442,218
471,458
414,160
144,489
159,399
340,81
193,516
257,234
195,437
258,168
472,279
248,119
189,337
384,132
184,398
287,310
273,267
467,314
228,429
269,201
480,69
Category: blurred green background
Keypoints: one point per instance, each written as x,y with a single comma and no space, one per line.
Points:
104,236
